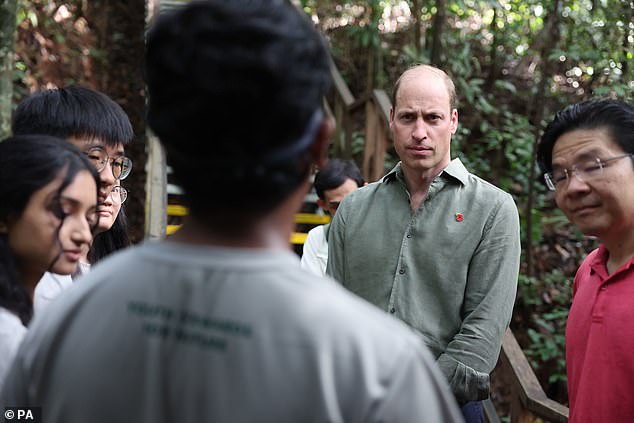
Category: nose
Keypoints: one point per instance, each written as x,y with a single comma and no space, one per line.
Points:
420,130
80,232
575,185
107,179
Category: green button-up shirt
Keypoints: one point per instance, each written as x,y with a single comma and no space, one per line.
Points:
449,270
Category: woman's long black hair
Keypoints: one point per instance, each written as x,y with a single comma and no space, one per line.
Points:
111,240
27,164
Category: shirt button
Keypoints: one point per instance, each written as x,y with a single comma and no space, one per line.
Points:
603,288
401,271
392,310
409,235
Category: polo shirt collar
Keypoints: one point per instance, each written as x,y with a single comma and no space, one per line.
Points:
598,263
454,169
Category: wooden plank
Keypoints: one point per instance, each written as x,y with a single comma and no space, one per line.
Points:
384,105
341,88
156,192
490,414
369,152
529,397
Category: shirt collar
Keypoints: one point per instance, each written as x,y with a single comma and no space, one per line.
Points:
599,263
454,169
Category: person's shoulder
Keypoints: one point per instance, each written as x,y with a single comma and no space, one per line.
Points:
487,187
363,194
315,233
10,324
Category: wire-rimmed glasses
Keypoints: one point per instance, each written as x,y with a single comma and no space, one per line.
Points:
584,171
121,165
119,194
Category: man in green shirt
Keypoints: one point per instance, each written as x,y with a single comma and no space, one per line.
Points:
431,243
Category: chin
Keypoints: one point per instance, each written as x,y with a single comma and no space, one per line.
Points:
65,268
104,225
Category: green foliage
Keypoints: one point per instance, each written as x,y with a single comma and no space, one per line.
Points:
549,299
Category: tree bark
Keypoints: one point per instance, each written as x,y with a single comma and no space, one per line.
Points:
542,92
119,29
438,29
8,10
416,22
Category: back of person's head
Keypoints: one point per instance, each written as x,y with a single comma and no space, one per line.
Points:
616,116
235,96
27,164
334,174
73,111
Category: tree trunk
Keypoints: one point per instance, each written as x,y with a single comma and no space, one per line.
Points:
7,50
119,28
438,29
542,92
493,55
416,22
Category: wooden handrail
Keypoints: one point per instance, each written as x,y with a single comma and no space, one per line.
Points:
529,401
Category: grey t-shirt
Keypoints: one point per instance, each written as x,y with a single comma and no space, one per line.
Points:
168,332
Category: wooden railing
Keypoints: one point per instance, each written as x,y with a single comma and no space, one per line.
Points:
529,402
377,117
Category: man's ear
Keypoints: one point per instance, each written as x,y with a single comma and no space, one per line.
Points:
321,203
454,121
322,141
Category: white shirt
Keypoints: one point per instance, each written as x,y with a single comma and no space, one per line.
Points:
11,333
315,255
48,288
51,285
173,332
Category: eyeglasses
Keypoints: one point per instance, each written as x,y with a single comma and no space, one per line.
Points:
119,194
120,166
584,171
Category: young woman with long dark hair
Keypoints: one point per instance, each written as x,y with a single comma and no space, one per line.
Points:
48,212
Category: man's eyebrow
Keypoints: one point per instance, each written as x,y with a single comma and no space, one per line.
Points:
592,153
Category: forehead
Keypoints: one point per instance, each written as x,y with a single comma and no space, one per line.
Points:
337,194
82,189
84,144
420,87
582,143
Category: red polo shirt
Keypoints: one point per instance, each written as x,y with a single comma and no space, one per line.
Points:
600,342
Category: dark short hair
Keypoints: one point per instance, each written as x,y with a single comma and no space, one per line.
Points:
334,174
616,116
73,111
235,96
27,164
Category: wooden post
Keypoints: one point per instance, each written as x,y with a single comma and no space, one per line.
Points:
369,152
156,191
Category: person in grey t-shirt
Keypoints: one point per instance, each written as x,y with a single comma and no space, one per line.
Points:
220,323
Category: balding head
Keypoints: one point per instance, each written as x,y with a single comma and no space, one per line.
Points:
427,71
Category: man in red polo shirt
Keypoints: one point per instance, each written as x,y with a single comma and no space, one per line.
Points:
587,152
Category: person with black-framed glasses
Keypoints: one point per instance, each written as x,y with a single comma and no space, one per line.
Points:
587,154
101,129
